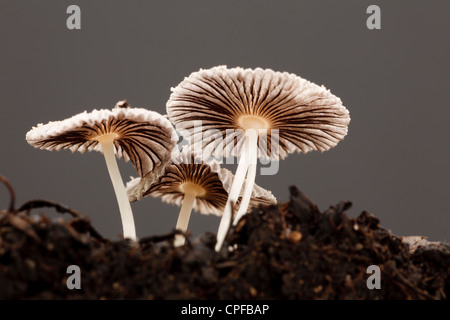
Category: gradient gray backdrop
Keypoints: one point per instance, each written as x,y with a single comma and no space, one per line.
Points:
395,81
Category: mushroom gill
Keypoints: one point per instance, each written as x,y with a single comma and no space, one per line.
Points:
142,136
270,115
192,183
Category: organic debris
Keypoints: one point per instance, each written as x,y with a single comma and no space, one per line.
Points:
285,251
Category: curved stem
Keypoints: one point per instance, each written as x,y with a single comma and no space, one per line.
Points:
126,214
250,143
183,217
233,196
248,190
238,180
12,195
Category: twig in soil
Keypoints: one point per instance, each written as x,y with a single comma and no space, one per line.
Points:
78,223
400,279
12,195
160,238
33,204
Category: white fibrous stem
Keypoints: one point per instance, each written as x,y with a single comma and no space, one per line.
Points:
183,217
129,230
249,147
250,180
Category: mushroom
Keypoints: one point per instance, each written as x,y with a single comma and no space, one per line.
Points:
142,136
259,105
192,183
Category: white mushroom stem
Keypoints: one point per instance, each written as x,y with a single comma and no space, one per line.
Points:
183,217
107,143
249,184
191,192
249,148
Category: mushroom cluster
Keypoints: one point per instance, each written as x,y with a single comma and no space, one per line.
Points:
256,103
142,136
193,183
246,113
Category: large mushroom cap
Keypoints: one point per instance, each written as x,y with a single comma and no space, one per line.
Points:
307,116
142,136
212,183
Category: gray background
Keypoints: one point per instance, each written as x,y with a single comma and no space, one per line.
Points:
395,82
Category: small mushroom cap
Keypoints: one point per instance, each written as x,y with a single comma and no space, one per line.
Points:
307,116
189,167
142,136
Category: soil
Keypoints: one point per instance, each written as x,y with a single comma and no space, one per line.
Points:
287,251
